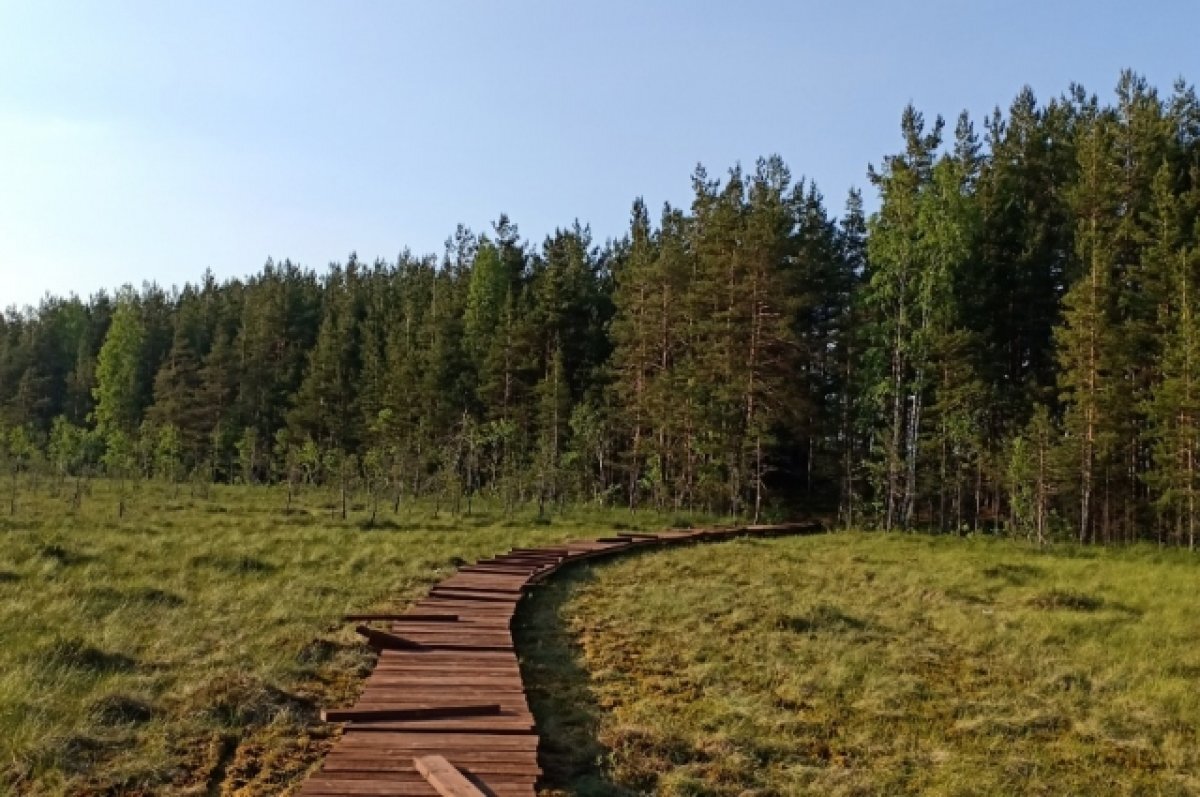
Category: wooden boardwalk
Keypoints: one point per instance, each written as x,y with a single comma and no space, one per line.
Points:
444,711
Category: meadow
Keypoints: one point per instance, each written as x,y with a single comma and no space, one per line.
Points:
867,664
187,647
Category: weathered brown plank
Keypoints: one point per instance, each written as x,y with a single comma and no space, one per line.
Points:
410,712
352,766
463,594
442,775
410,617
384,640
488,725
458,741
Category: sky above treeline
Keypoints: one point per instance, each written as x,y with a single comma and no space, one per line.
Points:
150,141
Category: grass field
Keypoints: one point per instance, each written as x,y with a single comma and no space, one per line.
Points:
187,648
871,664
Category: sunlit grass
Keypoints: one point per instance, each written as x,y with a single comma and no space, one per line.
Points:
187,648
856,664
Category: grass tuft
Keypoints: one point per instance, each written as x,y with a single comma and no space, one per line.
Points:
1066,599
120,709
236,701
79,753
76,654
61,555
235,565
1014,573
824,617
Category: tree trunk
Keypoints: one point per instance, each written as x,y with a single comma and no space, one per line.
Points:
342,481
942,484
758,478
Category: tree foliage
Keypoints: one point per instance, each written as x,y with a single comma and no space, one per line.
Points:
1010,340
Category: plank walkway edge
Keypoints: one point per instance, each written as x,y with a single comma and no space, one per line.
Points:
444,712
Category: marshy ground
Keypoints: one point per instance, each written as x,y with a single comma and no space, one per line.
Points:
863,664
187,648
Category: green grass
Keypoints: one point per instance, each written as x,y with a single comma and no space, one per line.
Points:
187,648
864,664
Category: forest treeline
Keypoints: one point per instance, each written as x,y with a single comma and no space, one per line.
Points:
1011,341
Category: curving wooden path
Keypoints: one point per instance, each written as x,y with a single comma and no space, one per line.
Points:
444,711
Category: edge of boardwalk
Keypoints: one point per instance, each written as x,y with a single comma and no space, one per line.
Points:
444,711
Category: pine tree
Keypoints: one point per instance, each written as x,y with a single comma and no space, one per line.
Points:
179,394
957,399
1174,406
670,395
1088,341
633,365
898,270
216,418
1141,136
709,363
326,402
769,355
554,414
263,346
852,334
488,290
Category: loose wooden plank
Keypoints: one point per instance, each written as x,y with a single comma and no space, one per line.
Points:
384,640
442,775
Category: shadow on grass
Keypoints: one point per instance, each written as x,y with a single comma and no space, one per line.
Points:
559,691
62,556
823,617
77,655
233,565
1017,574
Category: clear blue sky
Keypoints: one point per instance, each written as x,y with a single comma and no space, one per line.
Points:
152,140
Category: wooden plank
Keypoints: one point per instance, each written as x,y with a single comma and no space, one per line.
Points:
348,751
410,713
482,769
463,665
392,788
385,641
441,740
463,594
489,725
443,776
426,655
430,682
411,617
